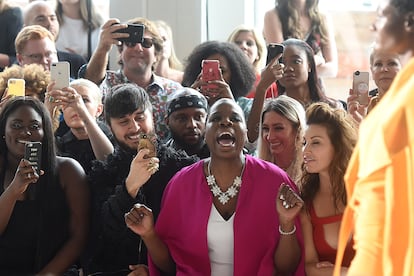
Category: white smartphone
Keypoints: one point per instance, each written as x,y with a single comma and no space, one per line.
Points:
360,86
60,73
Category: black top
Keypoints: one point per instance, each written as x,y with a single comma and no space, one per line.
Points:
81,150
11,22
36,231
112,245
204,151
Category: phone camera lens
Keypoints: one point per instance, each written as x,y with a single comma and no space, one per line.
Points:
357,73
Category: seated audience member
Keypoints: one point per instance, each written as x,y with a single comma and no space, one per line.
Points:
303,20
35,77
126,177
237,73
328,143
300,78
204,226
186,119
42,13
253,45
10,24
44,212
78,18
35,44
87,139
137,61
384,67
168,64
282,125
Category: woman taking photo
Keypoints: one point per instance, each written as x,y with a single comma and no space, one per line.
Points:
231,214
43,213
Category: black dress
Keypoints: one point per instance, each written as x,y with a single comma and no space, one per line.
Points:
11,22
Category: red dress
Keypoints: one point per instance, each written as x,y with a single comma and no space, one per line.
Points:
271,91
324,250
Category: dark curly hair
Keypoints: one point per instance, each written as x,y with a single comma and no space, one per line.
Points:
242,72
343,134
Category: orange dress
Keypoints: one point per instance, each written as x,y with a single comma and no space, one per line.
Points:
380,186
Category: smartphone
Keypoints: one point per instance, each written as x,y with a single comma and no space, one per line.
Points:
135,31
148,141
33,153
16,87
273,49
360,86
210,71
60,72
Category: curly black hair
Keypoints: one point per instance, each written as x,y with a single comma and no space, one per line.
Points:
242,71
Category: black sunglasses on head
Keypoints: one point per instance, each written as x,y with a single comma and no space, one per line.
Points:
146,43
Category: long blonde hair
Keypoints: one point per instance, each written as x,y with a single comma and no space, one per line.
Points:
294,112
260,43
96,19
173,60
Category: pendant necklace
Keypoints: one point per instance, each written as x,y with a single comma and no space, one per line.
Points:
231,192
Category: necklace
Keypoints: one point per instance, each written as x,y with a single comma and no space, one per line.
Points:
231,192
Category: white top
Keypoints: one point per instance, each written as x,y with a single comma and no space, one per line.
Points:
220,238
74,38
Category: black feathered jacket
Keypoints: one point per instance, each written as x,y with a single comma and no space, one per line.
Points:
112,245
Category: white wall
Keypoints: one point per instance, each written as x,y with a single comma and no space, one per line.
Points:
187,19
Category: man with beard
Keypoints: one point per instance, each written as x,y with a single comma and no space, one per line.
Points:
137,61
127,177
186,119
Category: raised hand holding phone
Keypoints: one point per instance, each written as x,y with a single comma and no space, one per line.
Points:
60,73
273,50
360,86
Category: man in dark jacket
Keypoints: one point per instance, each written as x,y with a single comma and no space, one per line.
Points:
127,177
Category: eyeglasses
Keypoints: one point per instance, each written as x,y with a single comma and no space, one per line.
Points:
146,43
39,57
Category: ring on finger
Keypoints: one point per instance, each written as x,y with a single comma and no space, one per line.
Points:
29,175
51,99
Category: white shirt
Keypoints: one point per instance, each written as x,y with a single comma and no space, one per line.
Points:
73,37
220,239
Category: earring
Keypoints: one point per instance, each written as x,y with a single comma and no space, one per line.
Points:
4,137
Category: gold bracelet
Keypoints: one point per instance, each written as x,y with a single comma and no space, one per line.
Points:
287,233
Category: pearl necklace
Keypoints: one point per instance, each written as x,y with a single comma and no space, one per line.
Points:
231,192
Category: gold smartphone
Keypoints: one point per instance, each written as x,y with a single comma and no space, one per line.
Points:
148,141
16,87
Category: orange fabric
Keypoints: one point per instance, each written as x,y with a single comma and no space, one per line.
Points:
380,186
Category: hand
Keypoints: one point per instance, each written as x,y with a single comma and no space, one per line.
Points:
324,264
273,72
138,270
25,175
109,34
288,204
140,220
319,60
4,99
219,90
140,171
355,109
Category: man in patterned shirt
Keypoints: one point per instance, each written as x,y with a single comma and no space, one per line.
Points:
137,62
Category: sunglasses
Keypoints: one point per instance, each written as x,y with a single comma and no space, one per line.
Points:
146,43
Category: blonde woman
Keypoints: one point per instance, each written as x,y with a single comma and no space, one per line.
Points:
168,65
281,134
73,20
253,45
